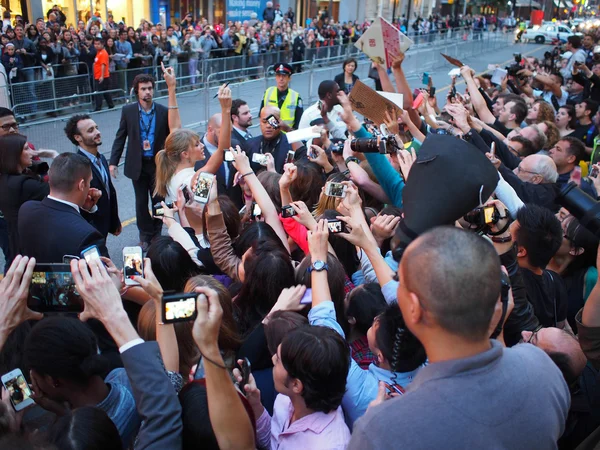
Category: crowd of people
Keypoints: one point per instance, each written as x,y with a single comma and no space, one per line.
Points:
431,283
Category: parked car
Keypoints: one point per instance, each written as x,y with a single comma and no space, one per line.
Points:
547,32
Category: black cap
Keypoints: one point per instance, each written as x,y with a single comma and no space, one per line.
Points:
284,69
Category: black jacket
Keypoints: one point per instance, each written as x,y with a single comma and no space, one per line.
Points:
106,219
129,129
339,79
15,190
48,230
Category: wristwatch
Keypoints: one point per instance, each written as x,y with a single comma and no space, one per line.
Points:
318,266
352,159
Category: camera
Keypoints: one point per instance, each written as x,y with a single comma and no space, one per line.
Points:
379,144
514,68
583,207
482,216
337,146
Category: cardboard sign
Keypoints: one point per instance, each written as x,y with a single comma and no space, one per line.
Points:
453,61
382,42
374,104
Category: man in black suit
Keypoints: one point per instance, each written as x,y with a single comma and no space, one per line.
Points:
271,141
54,227
83,132
226,172
145,127
241,117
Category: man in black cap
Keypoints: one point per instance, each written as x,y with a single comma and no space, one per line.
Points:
287,100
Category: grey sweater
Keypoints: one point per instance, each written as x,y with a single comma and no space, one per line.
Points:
505,398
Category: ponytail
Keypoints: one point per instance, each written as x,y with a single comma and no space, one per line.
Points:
177,142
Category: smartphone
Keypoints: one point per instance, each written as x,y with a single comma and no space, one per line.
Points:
16,385
493,149
245,369
394,388
291,155
426,77
287,211
90,253
272,120
307,297
229,156
594,172
68,258
52,289
259,158
576,175
336,226
335,189
133,264
186,192
179,308
432,91
159,211
202,188
418,100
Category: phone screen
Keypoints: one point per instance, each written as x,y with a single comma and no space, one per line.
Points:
18,389
52,289
133,264
90,253
335,226
202,188
229,156
186,192
335,190
179,308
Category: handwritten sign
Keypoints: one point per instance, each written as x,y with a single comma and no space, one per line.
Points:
382,42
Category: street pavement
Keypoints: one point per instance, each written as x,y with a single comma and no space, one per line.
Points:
196,106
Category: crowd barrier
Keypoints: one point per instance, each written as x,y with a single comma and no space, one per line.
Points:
196,106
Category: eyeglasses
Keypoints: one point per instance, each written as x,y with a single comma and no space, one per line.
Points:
533,335
7,127
519,169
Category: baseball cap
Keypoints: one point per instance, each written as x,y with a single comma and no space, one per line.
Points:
284,69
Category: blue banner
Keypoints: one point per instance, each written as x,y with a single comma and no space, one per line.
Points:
241,9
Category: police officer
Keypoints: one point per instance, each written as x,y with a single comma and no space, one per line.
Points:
287,100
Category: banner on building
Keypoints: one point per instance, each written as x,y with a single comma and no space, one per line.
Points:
242,9
382,42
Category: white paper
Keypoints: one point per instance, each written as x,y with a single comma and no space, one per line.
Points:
454,72
396,99
118,56
303,134
499,76
382,42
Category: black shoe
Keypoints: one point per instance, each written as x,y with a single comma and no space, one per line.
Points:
111,107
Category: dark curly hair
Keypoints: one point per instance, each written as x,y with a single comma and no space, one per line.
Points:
320,358
142,78
71,128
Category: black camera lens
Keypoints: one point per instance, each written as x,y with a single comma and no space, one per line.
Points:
583,207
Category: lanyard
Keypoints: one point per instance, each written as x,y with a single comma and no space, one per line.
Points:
147,130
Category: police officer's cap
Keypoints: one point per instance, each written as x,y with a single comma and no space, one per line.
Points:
284,69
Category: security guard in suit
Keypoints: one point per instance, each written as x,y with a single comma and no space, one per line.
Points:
287,100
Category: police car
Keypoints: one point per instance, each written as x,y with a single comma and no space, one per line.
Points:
547,32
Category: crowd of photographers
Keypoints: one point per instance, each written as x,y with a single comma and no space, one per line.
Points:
327,283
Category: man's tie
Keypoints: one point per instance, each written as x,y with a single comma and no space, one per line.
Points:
247,136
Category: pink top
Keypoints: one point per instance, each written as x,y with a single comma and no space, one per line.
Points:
315,431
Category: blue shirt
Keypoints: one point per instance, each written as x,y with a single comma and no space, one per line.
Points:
96,161
125,49
361,385
147,129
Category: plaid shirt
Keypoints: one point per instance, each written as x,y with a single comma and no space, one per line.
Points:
361,353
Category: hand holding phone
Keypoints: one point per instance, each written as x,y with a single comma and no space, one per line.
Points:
179,308
18,390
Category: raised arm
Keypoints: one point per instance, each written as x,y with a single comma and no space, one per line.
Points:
269,212
404,89
546,80
228,417
290,172
171,81
216,159
476,98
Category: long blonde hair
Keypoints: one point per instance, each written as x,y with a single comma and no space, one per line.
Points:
168,159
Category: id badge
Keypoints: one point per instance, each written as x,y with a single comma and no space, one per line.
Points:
146,145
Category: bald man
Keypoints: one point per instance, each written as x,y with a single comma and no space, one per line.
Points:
474,393
226,172
271,140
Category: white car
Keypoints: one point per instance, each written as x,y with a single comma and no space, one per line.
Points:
547,33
